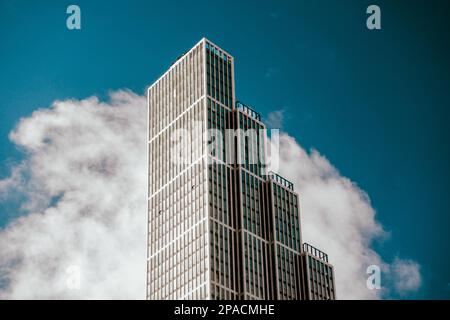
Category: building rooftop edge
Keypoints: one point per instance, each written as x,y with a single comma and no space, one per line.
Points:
280,179
309,249
175,63
177,60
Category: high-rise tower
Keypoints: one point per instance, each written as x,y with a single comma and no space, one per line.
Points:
220,226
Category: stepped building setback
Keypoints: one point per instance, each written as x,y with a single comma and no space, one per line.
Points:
220,224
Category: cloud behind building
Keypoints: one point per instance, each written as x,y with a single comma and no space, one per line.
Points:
84,180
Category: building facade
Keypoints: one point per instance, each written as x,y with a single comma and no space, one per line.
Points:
316,275
220,225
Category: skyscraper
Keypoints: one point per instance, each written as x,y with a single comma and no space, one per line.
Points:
316,275
220,225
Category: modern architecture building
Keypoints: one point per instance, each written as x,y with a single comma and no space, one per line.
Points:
316,275
220,225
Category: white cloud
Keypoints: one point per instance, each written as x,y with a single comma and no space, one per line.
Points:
86,188
275,119
406,276
338,218
84,177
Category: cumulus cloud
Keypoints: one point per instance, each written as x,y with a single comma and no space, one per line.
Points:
275,119
338,218
406,276
84,180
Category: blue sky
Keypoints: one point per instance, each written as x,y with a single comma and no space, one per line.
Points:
375,103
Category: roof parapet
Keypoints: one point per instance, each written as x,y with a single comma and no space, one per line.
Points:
248,110
315,252
279,179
